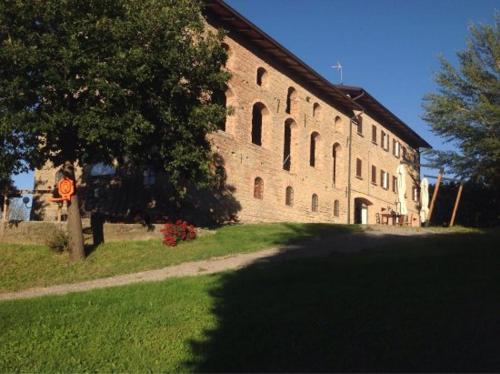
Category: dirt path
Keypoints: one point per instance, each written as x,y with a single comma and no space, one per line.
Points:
318,247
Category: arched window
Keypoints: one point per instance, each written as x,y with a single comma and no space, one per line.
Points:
228,53
314,203
335,162
220,97
316,110
336,208
261,77
258,112
338,124
291,97
258,188
312,148
287,155
359,124
289,196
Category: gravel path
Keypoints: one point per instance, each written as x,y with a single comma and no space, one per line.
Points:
318,247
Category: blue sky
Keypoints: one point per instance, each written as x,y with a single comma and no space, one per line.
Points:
389,47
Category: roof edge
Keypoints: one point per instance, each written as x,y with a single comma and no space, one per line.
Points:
421,142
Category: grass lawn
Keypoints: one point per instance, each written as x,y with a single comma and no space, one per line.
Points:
25,266
430,306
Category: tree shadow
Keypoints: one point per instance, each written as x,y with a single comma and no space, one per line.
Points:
39,204
89,249
128,196
424,304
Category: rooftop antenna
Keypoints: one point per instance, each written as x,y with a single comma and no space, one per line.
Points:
339,69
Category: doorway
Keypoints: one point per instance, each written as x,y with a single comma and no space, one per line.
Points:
361,211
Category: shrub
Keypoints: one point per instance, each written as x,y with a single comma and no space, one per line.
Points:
58,241
173,233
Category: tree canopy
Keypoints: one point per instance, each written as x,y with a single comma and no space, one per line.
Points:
104,80
466,109
93,81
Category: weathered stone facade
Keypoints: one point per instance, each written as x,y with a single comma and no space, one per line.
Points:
258,78
260,86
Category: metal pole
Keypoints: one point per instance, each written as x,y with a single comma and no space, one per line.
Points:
457,201
434,195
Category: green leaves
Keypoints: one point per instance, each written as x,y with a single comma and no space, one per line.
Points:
466,111
100,80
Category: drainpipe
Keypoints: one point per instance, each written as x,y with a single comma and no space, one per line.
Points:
351,120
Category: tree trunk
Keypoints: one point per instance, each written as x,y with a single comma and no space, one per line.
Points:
5,214
75,232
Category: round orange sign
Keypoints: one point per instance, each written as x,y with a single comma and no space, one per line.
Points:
66,188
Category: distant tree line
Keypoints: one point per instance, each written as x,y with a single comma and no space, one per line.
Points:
479,205
465,111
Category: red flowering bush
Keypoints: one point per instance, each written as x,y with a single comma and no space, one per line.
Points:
173,233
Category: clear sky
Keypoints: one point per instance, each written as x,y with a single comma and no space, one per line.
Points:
389,47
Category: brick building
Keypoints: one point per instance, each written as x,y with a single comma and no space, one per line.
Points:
298,148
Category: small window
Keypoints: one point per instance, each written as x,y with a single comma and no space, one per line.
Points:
359,124
337,124
374,174
314,203
316,110
384,179
336,208
398,149
287,155
261,76
258,112
335,157
219,96
394,184
258,188
291,96
384,141
374,134
289,196
228,53
312,149
416,196
405,153
359,168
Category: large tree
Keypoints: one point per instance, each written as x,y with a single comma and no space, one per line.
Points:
466,110
111,80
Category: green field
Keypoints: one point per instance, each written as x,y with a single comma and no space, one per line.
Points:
24,266
432,305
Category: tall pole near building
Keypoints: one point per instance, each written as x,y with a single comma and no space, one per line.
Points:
349,174
434,195
455,207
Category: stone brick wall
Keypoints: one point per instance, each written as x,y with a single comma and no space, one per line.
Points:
245,161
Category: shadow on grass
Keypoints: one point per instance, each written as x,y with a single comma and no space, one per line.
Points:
240,238
423,304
